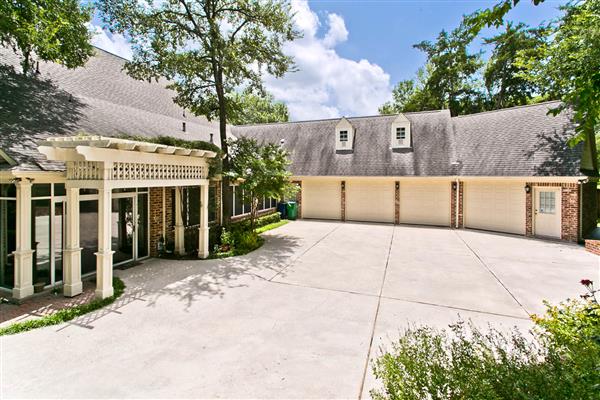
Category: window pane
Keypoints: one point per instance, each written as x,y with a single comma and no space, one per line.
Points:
8,225
41,190
59,189
58,240
142,228
87,191
238,208
193,206
40,240
247,207
88,234
8,190
212,204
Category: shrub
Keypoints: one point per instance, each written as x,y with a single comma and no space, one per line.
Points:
560,359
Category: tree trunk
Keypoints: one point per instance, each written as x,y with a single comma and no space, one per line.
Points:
227,193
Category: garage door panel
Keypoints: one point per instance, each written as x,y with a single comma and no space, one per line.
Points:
425,203
495,207
370,201
321,199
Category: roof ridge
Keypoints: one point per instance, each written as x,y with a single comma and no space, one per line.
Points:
339,118
508,108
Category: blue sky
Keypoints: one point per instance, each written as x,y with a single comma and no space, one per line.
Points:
354,51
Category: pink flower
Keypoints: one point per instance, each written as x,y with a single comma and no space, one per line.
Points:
586,282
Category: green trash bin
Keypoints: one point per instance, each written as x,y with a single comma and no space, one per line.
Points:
292,210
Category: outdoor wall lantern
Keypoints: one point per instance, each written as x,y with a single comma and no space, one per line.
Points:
397,185
343,184
527,188
453,185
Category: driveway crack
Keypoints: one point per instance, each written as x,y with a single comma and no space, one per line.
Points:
387,262
292,262
492,273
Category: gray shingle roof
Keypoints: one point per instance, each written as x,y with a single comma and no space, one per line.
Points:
518,141
98,98
312,146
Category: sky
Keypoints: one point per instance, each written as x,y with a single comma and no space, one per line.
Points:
353,52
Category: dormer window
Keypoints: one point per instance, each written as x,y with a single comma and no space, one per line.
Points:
344,136
400,133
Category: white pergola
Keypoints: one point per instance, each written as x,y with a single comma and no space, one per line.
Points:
104,164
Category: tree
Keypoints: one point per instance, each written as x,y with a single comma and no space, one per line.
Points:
53,30
569,67
451,72
258,109
207,49
503,77
260,171
402,94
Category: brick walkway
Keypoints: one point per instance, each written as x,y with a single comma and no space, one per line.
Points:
43,304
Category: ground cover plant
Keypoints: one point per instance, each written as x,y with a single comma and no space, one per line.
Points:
66,314
558,359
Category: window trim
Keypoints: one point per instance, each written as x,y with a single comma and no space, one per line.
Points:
344,135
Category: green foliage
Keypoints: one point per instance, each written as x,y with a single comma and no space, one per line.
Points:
236,240
66,314
560,359
269,227
260,171
208,50
215,164
569,67
252,108
53,30
503,77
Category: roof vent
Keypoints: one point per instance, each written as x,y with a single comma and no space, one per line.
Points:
282,142
184,113
183,126
211,138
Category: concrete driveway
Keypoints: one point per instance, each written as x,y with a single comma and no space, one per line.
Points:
299,318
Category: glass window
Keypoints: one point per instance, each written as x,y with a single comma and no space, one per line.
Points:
400,133
58,229
8,234
88,234
547,203
88,191
247,207
40,240
237,201
41,190
59,189
212,204
343,136
8,190
261,204
143,228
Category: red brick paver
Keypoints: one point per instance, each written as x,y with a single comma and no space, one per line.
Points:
43,305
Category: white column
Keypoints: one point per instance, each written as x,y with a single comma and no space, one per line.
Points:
179,228
72,252
104,256
203,230
23,252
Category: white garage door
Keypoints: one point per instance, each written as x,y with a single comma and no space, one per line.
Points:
371,201
425,203
322,199
495,206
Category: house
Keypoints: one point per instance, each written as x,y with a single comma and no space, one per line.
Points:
77,199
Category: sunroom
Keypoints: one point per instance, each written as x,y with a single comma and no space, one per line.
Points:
113,204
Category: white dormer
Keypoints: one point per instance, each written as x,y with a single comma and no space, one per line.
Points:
344,135
400,133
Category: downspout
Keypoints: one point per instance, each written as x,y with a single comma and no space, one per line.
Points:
164,216
456,201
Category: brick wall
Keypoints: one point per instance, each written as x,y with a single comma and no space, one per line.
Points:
343,205
169,214
593,246
569,209
460,189
156,219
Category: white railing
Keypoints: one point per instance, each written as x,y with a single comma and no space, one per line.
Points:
88,170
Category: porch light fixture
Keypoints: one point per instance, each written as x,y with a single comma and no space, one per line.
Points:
343,184
397,185
453,185
527,188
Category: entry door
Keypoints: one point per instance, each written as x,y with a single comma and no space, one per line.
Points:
547,212
129,227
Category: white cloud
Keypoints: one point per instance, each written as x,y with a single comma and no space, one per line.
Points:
113,43
327,85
